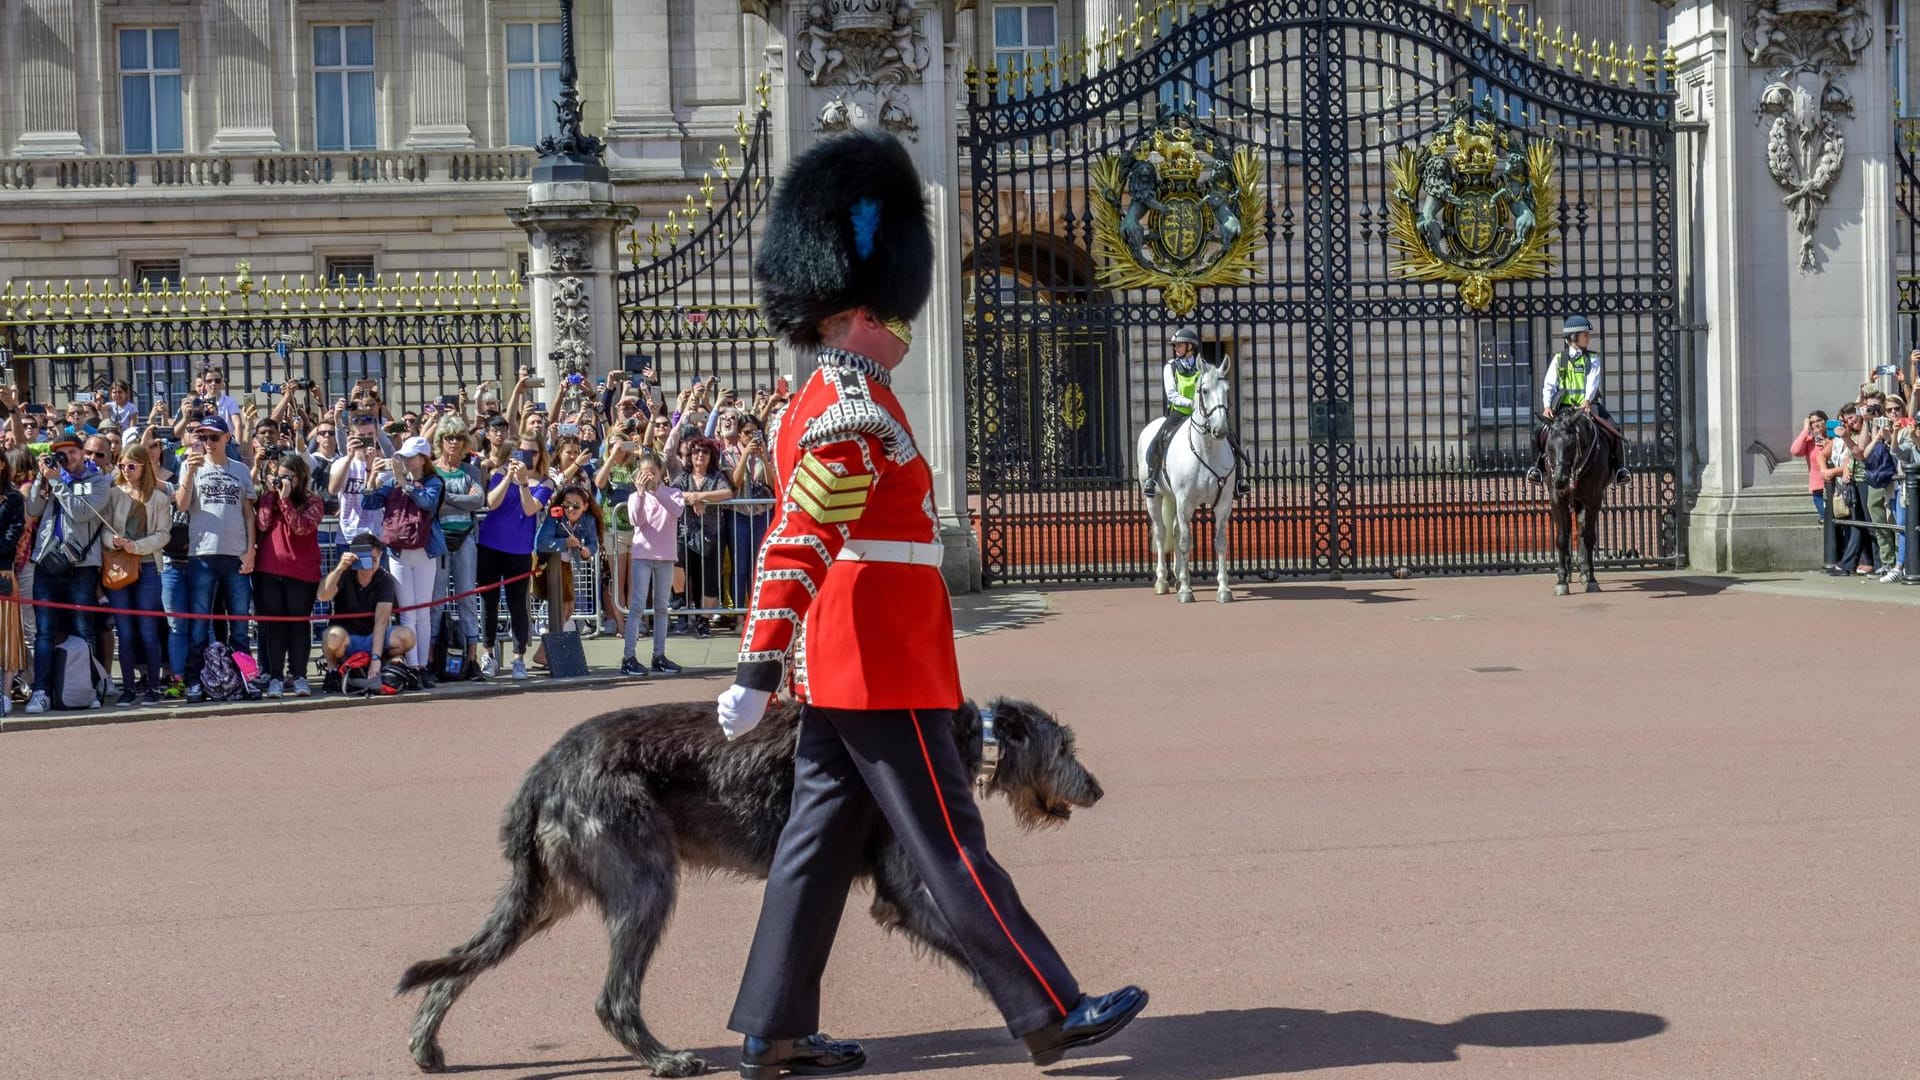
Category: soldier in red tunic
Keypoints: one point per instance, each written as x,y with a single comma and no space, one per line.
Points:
850,611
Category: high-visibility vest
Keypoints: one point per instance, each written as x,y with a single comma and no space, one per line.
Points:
1186,386
1573,378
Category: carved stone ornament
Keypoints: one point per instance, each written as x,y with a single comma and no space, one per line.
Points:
568,254
866,51
1806,42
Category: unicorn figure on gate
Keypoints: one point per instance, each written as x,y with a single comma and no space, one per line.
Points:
1189,459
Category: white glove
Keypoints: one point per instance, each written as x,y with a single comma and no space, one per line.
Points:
741,710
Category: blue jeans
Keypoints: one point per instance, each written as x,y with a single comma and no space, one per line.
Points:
139,633
81,585
1899,538
748,531
173,597
207,576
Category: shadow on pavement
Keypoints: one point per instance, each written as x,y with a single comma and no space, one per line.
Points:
1354,593
1669,588
1231,1044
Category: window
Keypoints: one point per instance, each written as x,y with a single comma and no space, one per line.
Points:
349,269
533,81
1505,370
156,273
1022,34
150,109
343,88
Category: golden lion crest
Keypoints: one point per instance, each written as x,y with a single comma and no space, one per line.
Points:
1472,208
1177,212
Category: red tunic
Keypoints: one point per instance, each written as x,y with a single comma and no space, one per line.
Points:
845,634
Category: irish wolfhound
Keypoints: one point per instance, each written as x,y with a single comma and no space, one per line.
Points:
623,801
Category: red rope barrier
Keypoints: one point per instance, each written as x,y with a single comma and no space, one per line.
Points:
102,610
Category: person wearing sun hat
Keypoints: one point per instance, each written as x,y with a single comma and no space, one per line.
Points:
217,493
408,491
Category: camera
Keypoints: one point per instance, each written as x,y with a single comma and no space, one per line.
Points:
303,384
51,461
576,379
557,511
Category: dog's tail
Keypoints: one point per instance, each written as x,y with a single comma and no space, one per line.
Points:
515,912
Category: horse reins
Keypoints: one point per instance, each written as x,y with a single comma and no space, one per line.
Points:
1219,480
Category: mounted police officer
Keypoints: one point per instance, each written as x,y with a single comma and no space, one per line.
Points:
1180,379
1573,382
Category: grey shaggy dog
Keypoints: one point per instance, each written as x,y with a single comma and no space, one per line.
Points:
624,801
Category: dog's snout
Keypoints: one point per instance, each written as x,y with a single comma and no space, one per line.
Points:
1094,791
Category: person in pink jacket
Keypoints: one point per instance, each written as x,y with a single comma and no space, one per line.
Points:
1811,443
654,508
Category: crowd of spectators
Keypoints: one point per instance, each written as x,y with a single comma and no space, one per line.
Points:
254,512
1853,460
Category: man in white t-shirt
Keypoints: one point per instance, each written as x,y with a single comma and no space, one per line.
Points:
348,480
213,388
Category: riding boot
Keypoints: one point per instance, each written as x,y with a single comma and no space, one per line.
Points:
1156,458
1537,472
1620,473
1242,486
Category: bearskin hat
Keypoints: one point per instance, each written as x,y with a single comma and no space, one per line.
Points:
849,230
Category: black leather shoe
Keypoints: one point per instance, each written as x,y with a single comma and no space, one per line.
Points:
1093,1019
815,1055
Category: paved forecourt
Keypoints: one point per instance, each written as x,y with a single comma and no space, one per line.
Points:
1402,828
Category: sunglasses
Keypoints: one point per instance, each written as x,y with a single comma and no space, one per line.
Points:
129,466
364,420
284,478
97,455
324,433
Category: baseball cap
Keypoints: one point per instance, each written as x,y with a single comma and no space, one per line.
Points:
215,422
416,446
365,541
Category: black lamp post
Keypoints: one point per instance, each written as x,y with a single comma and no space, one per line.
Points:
572,154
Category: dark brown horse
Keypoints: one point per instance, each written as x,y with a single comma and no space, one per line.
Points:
1577,475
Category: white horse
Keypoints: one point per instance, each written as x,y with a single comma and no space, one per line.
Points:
1198,471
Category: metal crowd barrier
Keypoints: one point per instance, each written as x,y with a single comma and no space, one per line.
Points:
1909,495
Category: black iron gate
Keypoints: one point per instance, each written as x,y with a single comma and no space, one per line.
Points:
1388,418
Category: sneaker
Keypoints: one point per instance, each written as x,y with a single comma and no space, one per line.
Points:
702,629
127,697
489,665
175,690
150,696
1891,576
301,689
519,668
276,689
665,666
38,703
426,679
631,666
194,693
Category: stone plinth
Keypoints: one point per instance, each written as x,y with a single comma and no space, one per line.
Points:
571,226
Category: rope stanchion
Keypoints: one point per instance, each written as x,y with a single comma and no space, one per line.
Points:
100,609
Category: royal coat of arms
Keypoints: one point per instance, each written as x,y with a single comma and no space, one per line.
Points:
1471,206
1176,212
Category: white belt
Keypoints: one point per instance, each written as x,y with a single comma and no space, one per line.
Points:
893,551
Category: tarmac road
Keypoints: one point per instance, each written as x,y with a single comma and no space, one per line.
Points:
1414,829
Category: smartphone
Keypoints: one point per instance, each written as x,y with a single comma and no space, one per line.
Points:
363,560
270,388
524,457
447,401
557,511
536,381
34,409
1885,369
566,429
780,385
84,397
539,406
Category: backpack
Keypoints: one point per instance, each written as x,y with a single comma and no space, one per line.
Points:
77,677
178,537
220,677
405,526
452,654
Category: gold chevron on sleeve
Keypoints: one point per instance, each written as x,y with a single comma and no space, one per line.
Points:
827,498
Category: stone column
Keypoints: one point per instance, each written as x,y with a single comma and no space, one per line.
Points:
47,61
437,56
643,136
1791,268
899,76
243,76
571,228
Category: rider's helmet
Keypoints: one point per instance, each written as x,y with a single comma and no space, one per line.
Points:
1575,324
1187,334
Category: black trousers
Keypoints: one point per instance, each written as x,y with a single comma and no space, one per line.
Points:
285,647
903,765
491,566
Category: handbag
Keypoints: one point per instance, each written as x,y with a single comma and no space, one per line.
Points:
64,557
118,569
1842,501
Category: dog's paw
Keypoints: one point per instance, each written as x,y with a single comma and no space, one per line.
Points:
429,1057
682,1063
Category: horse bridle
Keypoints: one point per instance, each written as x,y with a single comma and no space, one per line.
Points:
1579,469
1218,480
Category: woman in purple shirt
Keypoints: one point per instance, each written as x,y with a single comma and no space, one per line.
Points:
517,493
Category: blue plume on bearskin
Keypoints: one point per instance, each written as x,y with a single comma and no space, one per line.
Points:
848,230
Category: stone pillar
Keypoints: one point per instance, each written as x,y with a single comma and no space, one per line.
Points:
571,228
437,56
243,76
844,68
47,57
643,136
1791,271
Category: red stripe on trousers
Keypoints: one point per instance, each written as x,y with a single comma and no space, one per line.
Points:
975,874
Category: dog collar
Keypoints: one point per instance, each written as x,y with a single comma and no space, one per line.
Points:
989,749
